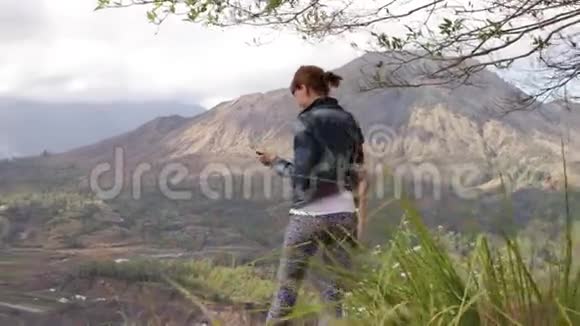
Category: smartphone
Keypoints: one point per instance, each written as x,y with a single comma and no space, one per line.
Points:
257,151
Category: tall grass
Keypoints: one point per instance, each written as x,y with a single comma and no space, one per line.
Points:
416,280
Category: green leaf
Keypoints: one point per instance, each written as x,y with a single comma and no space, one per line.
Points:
396,43
152,16
458,24
102,4
273,4
192,15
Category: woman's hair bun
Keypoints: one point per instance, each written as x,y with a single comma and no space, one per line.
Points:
332,79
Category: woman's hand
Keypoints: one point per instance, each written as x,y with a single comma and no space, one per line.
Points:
266,158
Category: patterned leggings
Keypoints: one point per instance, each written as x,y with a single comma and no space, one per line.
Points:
304,235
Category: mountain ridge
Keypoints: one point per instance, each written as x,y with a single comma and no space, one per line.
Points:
442,124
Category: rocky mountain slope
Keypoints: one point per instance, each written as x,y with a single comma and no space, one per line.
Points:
443,125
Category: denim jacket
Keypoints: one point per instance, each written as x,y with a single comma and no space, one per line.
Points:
327,149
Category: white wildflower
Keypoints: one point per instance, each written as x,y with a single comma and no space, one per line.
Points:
80,297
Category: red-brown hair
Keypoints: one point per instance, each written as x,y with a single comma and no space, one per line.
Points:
315,79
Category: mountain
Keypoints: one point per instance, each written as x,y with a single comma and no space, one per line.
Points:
448,126
453,134
563,113
29,128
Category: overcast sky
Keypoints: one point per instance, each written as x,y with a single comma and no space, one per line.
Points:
63,50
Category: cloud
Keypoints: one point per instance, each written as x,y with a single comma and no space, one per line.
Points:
21,20
64,50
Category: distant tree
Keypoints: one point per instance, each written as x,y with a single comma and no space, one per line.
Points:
497,33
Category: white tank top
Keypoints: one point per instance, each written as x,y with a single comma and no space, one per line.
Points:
342,202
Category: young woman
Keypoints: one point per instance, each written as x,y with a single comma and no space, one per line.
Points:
326,179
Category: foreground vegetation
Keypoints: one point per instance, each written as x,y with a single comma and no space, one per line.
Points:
420,277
